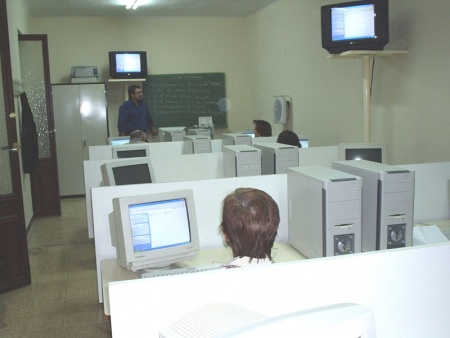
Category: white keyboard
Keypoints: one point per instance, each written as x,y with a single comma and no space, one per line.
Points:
179,271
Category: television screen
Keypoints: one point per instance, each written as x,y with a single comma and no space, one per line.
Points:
127,65
356,25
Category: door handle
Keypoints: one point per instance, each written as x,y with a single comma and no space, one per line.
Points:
15,148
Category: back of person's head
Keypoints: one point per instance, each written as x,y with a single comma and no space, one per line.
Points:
250,222
288,137
138,136
131,89
262,128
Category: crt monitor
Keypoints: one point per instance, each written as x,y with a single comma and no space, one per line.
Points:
154,231
355,25
375,152
128,64
130,150
127,171
118,140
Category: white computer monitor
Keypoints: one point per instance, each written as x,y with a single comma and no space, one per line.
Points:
128,171
131,150
375,152
154,231
118,140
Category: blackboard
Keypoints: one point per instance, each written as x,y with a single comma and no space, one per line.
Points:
180,99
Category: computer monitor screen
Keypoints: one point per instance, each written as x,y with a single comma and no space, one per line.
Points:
118,140
155,230
304,142
362,151
127,171
130,150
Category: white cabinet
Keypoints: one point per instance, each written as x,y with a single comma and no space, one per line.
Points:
80,114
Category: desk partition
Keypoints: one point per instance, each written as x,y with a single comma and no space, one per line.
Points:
208,197
407,290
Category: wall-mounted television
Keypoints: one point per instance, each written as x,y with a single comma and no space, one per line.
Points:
128,65
356,25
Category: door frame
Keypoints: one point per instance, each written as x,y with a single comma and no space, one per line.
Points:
44,181
14,260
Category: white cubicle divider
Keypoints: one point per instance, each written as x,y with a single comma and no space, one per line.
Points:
170,168
208,196
431,193
318,156
155,149
407,290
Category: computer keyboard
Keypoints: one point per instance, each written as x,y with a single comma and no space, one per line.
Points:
179,271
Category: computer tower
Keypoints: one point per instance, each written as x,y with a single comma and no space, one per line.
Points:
277,157
196,144
241,160
199,131
231,139
388,203
174,135
324,211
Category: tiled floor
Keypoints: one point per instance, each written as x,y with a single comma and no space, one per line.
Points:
62,299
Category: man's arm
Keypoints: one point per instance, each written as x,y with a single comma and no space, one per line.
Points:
121,121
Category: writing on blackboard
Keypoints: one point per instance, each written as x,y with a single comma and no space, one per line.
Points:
179,99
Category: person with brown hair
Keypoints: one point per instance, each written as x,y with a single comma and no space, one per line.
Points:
250,220
289,137
262,128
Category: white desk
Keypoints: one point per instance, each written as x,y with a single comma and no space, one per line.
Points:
111,272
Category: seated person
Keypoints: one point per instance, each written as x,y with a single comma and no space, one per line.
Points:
289,137
138,136
262,128
249,226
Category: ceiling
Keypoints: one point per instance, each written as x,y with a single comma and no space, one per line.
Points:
214,8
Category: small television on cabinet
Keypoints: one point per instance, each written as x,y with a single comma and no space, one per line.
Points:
128,65
154,231
356,25
127,171
130,150
375,152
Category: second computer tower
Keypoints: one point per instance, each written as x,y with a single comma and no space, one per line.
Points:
277,157
388,203
241,160
196,144
324,207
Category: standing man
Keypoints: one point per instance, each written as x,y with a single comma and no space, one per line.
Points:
134,114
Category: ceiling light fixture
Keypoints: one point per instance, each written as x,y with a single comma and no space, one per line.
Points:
133,4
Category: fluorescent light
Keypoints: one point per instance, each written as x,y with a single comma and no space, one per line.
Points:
133,4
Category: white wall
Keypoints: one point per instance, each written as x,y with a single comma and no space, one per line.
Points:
278,51
410,101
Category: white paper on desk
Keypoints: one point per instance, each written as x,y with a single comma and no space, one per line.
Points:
427,234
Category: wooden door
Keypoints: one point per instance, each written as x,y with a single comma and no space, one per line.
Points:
14,262
35,71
